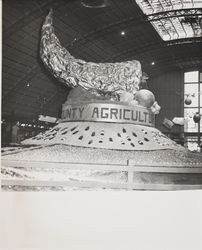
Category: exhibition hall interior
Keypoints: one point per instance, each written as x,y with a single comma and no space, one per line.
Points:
98,94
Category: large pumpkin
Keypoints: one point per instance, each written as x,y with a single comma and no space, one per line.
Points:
145,98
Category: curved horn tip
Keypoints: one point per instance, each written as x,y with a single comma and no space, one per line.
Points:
50,12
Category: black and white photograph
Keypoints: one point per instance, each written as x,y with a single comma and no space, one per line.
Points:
101,125
101,95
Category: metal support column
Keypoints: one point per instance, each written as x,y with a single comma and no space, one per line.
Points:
199,104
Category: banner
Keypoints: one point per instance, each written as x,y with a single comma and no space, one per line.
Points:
108,112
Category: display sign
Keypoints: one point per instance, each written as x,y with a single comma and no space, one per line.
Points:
47,119
179,121
168,123
108,112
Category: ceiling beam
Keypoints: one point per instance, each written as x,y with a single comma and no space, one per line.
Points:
156,46
174,13
22,82
107,28
28,17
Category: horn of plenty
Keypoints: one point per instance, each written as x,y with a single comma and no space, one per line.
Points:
100,78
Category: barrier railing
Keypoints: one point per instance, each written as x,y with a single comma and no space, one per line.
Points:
129,167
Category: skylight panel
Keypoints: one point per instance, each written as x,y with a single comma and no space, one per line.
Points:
174,19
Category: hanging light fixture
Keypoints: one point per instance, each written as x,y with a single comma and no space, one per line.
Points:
123,33
188,100
197,117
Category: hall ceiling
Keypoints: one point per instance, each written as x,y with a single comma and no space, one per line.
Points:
174,19
90,30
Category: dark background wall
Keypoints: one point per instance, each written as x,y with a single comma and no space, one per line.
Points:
168,89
